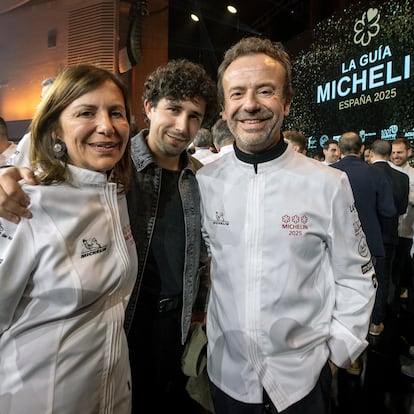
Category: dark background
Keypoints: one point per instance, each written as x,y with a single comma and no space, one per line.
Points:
319,37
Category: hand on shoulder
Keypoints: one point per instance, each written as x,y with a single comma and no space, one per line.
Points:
13,201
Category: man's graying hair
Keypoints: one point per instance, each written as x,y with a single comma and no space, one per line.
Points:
181,80
382,148
221,133
47,82
203,138
253,46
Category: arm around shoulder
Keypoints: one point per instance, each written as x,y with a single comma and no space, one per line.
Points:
13,201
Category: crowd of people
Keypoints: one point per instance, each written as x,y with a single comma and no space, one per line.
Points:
129,241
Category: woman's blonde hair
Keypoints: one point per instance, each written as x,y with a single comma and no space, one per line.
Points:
70,84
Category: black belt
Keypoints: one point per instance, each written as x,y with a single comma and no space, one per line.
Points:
169,304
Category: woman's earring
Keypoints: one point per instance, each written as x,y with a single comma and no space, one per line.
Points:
59,149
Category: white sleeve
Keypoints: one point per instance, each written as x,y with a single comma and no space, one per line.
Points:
21,157
355,283
16,263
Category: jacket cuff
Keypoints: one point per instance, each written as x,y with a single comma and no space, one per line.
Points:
344,347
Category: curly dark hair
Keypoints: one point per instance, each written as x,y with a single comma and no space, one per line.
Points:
253,46
182,80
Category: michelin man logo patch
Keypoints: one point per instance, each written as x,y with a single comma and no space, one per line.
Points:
91,247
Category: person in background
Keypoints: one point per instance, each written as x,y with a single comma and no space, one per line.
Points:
318,156
222,138
164,209
46,84
380,154
296,140
66,275
331,152
20,157
291,280
7,147
401,297
203,145
402,272
373,199
367,154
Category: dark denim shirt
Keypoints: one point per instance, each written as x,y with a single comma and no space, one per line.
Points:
143,197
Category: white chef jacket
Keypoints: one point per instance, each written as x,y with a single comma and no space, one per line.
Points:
65,279
205,156
21,156
7,154
406,221
291,274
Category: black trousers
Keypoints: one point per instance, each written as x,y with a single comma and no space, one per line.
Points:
155,351
402,270
316,402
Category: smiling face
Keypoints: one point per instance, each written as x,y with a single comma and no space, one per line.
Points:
173,126
400,154
332,153
254,103
95,129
